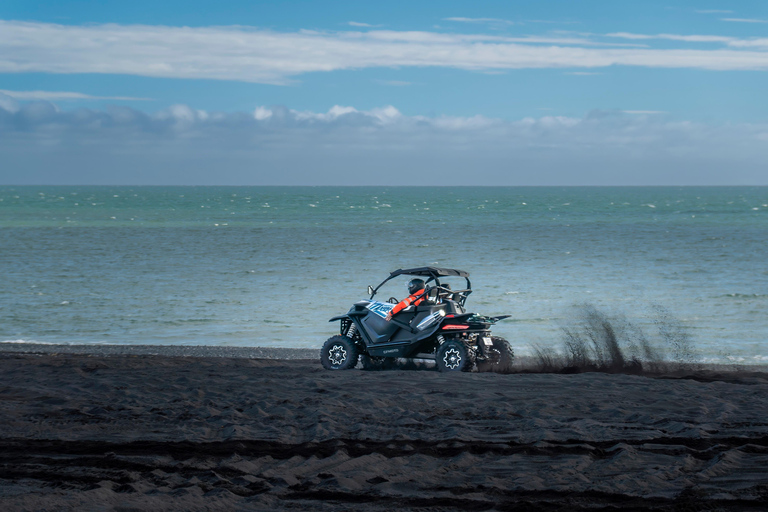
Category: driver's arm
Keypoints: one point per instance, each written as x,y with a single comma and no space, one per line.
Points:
398,307
402,305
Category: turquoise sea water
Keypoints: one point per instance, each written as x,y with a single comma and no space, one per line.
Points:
267,266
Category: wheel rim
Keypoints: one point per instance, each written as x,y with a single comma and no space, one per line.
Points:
337,355
452,358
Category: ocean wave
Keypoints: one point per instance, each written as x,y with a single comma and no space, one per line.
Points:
728,359
68,343
31,342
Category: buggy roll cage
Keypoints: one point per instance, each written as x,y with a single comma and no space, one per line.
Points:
432,274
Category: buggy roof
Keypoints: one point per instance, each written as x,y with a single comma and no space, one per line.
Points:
429,272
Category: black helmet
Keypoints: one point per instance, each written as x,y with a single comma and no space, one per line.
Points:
415,285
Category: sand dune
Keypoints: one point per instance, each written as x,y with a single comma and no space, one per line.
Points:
189,433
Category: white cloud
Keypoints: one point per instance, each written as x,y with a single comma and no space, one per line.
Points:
553,22
750,43
381,115
744,20
713,11
181,114
674,37
262,113
8,103
253,55
333,113
437,38
480,20
386,114
644,112
345,145
62,95
358,24
457,124
733,42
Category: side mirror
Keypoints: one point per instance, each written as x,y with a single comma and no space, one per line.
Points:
370,290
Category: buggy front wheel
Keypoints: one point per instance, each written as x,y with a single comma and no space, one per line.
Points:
338,353
453,356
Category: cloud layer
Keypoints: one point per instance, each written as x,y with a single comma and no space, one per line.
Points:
733,42
63,95
41,143
253,55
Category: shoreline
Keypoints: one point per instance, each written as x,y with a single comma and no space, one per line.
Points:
162,350
521,364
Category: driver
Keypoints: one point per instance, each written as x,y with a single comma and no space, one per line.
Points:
415,288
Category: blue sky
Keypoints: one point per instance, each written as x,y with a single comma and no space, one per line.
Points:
552,92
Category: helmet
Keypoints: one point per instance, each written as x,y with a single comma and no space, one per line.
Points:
415,285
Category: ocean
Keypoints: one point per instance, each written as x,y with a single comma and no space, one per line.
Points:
268,266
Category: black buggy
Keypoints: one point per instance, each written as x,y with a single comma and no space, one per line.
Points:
438,328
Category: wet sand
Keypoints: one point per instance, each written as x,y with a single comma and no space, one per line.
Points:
133,431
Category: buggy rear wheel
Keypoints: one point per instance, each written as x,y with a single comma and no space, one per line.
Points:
507,355
453,356
338,353
503,356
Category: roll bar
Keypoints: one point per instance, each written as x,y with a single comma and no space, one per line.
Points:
433,274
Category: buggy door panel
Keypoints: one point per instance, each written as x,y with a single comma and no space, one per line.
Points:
420,313
379,330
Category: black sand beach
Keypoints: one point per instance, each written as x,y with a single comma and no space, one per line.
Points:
134,431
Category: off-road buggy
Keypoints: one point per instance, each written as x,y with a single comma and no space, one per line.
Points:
438,328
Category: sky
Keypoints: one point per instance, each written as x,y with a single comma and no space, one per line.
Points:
394,93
